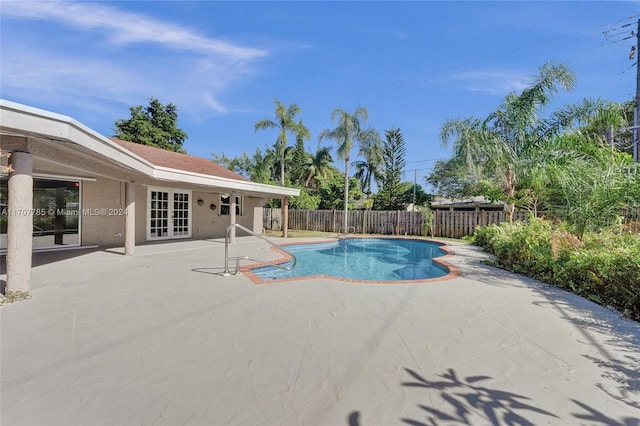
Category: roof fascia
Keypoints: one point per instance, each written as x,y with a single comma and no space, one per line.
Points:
48,125
168,174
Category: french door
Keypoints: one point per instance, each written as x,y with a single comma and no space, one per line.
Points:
168,214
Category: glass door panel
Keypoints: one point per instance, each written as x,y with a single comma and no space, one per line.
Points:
169,214
159,214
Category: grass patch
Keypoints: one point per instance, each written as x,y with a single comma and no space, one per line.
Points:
300,234
315,234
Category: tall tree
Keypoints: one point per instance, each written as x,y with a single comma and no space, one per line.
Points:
284,121
331,193
349,129
369,169
318,167
299,156
450,180
390,196
153,125
258,167
500,147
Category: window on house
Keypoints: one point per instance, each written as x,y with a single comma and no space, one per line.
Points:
56,212
225,204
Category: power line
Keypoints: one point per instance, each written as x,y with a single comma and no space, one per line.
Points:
500,57
621,27
425,161
417,170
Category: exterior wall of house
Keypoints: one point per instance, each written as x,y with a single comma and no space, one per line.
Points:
102,217
103,204
253,207
209,223
141,214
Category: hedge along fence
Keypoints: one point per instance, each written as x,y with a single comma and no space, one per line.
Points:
444,223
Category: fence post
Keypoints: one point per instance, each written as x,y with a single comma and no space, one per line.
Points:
364,221
333,229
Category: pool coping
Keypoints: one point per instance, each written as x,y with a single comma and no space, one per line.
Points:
454,271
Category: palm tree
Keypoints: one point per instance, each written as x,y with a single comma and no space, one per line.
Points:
607,119
284,120
370,168
348,130
501,146
318,166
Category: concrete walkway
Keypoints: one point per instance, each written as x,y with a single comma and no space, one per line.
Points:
160,338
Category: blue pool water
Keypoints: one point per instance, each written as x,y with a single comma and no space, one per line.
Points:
364,259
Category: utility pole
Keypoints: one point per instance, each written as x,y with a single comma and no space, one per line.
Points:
636,112
413,208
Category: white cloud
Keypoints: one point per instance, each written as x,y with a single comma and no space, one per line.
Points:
193,71
212,103
126,27
40,70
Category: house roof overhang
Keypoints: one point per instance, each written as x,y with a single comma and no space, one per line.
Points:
61,140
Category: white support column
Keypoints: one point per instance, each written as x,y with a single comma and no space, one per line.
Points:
232,217
20,222
285,216
130,219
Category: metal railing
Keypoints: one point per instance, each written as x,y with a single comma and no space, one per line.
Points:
227,258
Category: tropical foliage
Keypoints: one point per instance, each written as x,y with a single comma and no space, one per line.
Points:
390,196
378,166
603,267
572,171
369,170
284,121
566,165
349,129
570,165
497,149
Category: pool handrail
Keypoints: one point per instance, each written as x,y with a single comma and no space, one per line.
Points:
239,258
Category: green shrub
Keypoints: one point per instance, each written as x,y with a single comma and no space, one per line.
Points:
603,267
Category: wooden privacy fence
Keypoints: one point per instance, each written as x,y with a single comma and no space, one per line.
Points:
457,224
632,219
445,223
631,214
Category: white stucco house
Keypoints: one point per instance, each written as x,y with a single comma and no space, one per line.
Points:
69,186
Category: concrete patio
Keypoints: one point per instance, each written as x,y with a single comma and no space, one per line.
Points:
161,338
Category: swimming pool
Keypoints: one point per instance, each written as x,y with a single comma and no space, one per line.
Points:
362,259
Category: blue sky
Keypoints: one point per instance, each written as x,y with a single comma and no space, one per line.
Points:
411,64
